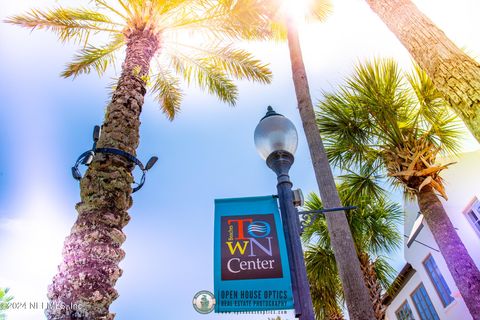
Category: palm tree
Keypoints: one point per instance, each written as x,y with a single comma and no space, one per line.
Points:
356,294
156,57
454,73
374,231
377,121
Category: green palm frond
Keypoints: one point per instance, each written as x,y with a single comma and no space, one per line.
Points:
385,272
400,125
318,231
347,131
207,76
5,298
374,230
380,90
256,15
153,15
430,100
325,285
69,24
93,58
378,221
167,91
138,6
239,64
445,131
437,122
241,19
213,65
319,10
362,184
373,224
236,63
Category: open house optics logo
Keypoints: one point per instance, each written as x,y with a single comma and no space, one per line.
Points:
251,263
250,248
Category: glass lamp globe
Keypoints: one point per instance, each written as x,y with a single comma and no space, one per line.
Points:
275,133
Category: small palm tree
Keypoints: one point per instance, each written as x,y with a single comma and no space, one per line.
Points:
5,299
378,122
375,234
161,54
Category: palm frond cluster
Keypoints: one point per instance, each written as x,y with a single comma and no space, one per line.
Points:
390,123
194,35
414,166
374,230
5,299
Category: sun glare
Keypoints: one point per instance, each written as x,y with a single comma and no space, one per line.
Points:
296,9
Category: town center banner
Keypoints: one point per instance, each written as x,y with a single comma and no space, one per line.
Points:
251,270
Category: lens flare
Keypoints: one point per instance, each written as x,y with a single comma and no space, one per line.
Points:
296,9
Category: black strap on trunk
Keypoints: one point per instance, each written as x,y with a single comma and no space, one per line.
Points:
86,158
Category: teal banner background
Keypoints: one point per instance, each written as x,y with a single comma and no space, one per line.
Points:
261,294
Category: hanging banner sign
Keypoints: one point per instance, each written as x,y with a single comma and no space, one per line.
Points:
250,257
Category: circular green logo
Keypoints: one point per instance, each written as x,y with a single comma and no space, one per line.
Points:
204,302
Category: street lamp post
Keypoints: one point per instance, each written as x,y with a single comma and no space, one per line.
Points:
276,140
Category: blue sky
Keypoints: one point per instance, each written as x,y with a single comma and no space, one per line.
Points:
206,153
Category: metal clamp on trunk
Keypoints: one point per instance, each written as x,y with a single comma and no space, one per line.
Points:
86,158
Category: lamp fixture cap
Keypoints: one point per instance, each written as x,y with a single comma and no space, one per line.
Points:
271,112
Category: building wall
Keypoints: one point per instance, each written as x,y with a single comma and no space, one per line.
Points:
462,182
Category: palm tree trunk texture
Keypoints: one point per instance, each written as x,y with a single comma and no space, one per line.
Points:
84,285
373,285
454,74
356,294
464,271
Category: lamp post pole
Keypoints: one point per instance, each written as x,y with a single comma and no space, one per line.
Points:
276,140
280,162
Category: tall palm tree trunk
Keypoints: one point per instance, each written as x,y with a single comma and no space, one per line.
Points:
356,294
455,74
373,285
464,271
86,278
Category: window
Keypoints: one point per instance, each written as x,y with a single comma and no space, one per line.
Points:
473,214
438,281
475,219
423,304
404,312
